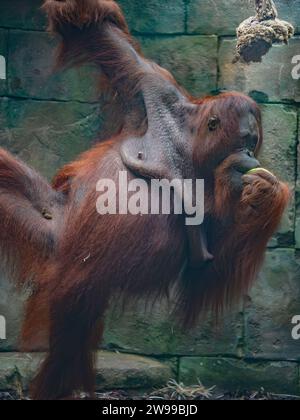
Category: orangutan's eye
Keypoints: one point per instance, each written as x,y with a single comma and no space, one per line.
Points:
213,123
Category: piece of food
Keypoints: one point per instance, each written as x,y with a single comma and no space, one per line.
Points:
257,170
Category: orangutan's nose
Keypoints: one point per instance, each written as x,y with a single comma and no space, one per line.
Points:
248,125
249,131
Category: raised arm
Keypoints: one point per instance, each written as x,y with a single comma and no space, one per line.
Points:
95,31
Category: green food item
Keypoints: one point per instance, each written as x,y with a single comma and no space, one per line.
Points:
256,170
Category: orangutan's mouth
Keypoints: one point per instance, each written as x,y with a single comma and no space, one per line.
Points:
246,169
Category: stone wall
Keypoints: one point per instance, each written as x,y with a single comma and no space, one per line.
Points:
48,119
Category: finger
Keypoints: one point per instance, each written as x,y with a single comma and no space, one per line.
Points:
266,176
249,179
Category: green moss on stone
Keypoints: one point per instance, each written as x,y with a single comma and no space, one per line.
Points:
272,77
31,75
272,304
23,14
192,60
232,374
155,16
48,134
